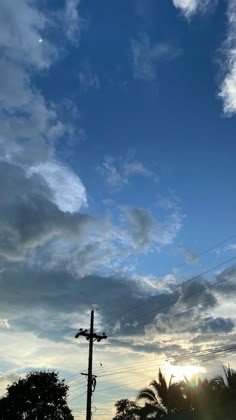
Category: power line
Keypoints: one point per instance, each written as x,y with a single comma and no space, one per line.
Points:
180,266
186,297
114,370
174,359
191,306
118,370
208,356
216,352
77,396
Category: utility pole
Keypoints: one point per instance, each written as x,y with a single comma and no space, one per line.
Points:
91,336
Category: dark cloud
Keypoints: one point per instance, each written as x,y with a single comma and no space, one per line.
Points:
172,322
141,226
28,217
216,325
144,229
32,219
43,325
48,295
197,293
47,303
208,338
186,315
41,297
226,280
147,347
193,323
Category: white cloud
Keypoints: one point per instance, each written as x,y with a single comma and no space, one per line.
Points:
190,7
168,201
30,125
145,231
227,90
228,87
4,323
146,56
20,34
111,174
14,85
117,173
89,80
137,168
28,136
28,216
189,254
73,22
67,188
43,237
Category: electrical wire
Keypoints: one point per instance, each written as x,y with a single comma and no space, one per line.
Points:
117,370
176,267
224,351
160,308
180,266
77,396
208,356
175,359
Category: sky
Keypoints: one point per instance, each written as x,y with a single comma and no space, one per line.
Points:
117,169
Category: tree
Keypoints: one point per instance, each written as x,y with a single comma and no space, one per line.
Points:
38,396
165,398
208,399
228,380
126,410
226,396
212,399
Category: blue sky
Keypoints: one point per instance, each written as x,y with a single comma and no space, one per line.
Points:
117,146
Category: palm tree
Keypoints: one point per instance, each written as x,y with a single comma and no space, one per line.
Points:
162,398
212,399
226,386
228,380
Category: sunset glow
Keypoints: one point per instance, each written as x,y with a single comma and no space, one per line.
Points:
180,372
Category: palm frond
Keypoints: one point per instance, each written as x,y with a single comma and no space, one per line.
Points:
230,376
148,395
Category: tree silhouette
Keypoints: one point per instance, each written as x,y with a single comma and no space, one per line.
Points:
39,396
213,399
126,410
165,398
208,399
226,386
228,380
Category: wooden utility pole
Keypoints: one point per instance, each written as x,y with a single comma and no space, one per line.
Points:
91,337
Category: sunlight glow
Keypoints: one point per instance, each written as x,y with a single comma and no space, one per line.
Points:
184,371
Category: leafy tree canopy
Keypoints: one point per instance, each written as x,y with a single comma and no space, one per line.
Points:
38,396
126,410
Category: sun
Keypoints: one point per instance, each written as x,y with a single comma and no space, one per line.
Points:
179,372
